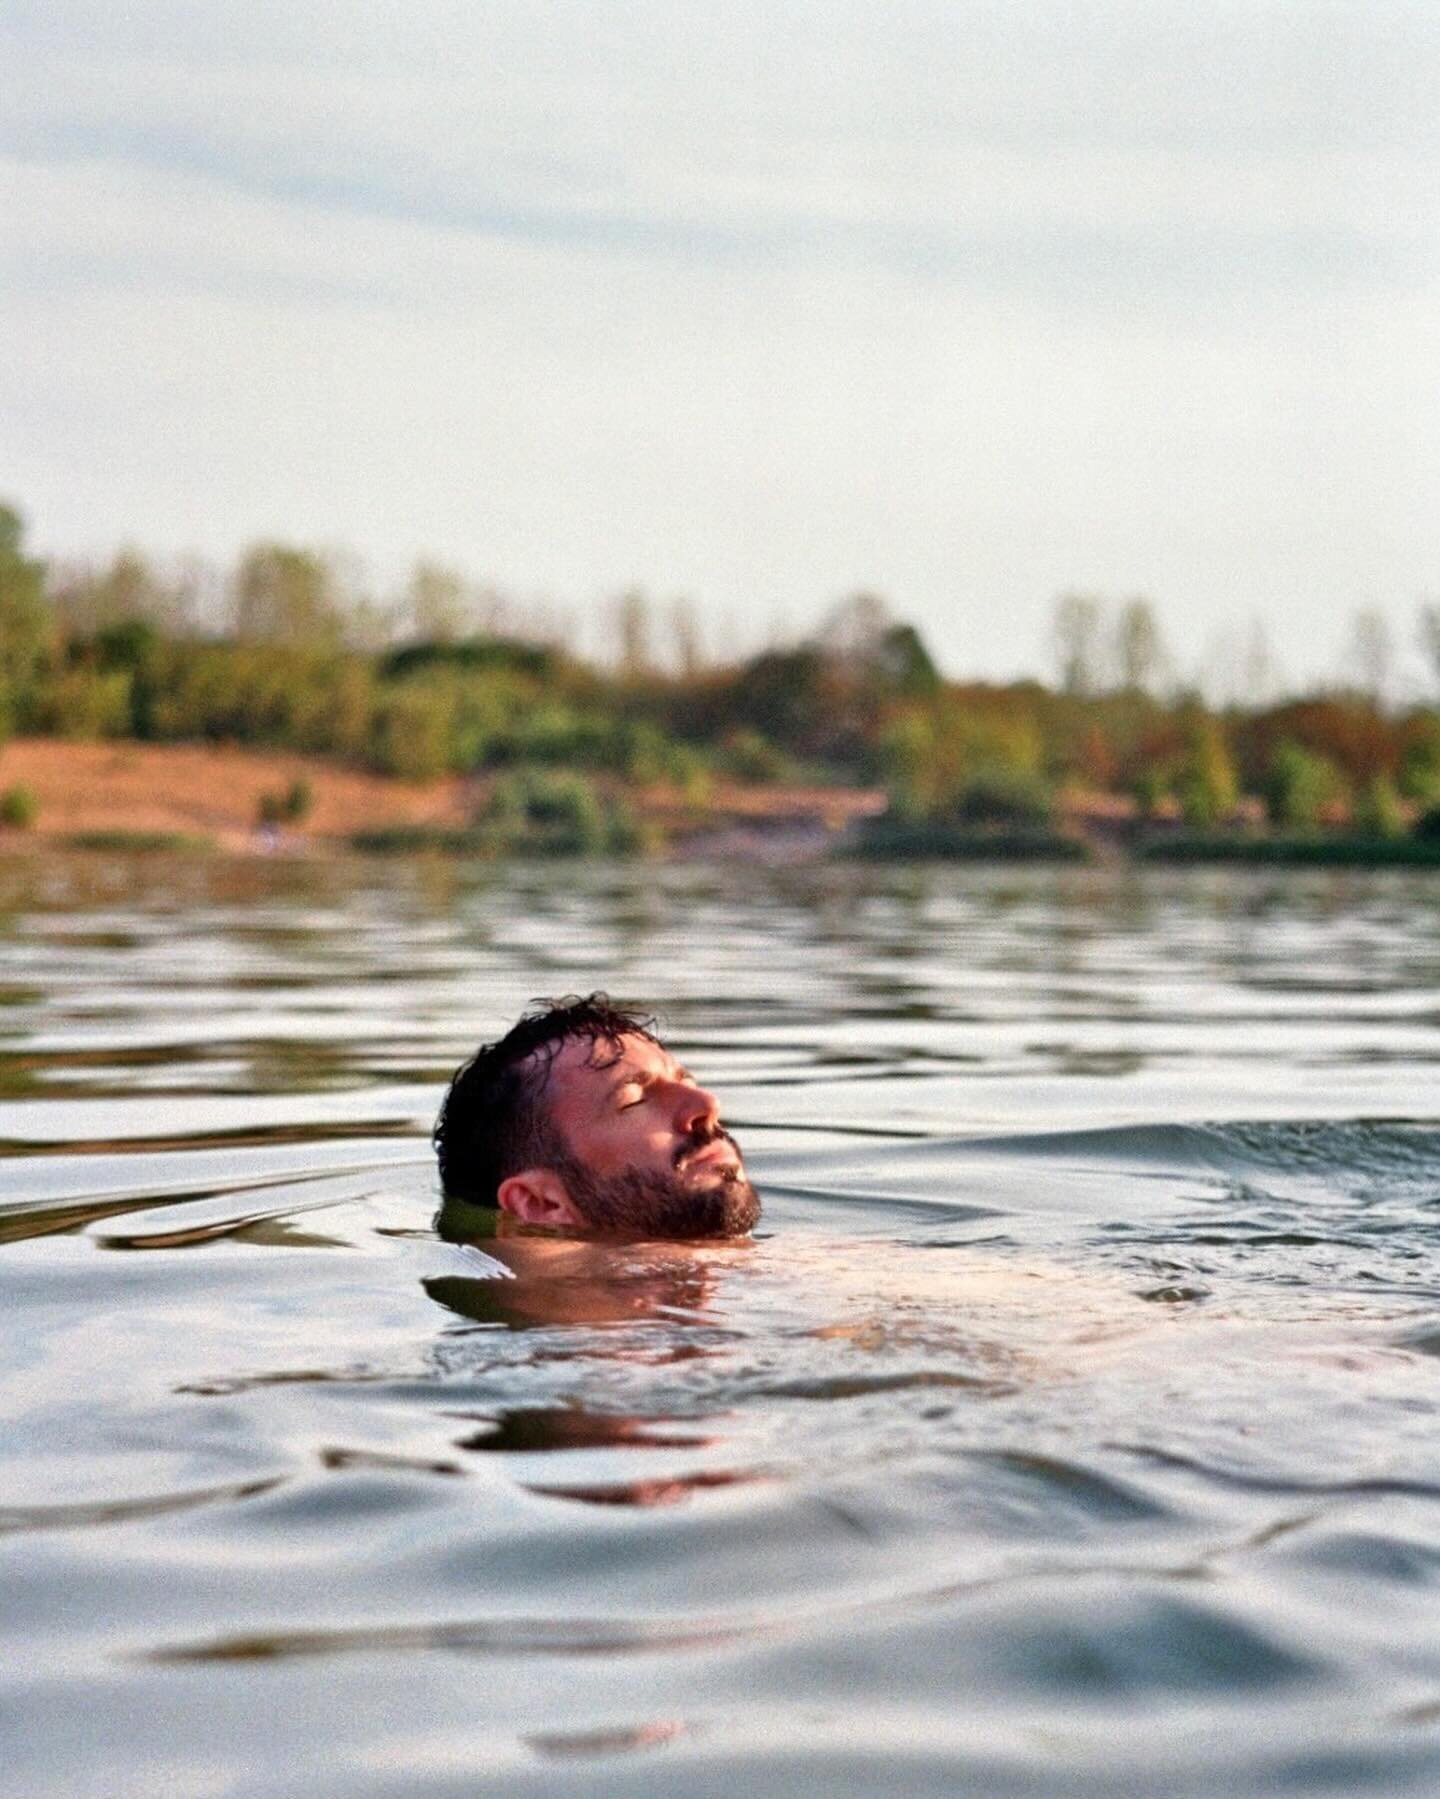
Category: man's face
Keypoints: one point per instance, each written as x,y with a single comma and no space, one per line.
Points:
645,1151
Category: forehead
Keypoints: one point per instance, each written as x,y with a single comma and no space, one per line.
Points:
590,1069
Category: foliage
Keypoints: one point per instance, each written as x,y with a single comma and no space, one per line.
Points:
19,807
1378,811
141,842
299,798
1004,795
286,653
1077,637
1346,731
541,811
413,730
128,591
1151,787
285,806
1419,775
1300,787
473,655
26,624
85,703
1205,781
1139,652
282,595
781,694
956,759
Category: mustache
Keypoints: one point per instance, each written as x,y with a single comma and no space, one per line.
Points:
701,1137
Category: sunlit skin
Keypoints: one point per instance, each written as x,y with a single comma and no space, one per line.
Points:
626,1108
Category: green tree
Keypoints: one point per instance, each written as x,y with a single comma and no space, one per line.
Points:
437,602
746,755
1378,811
1420,759
19,807
1206,784
286,596
1300,786
687,637
998,795
782,694
412,731
549,812
874,654
129,589
1139,654
1077,643
85,704
905,762
632,628
1150,788
903,663
26,623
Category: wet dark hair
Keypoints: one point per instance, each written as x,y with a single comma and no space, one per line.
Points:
493,1121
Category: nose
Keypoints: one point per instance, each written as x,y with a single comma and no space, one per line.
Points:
695,1106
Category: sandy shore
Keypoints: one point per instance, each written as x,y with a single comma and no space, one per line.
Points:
209,791
214,791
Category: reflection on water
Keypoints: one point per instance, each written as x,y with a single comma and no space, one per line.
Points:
1069,1426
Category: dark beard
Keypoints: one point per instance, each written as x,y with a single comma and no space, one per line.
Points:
642,1204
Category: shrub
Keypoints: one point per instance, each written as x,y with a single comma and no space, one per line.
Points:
83,703
748,756
144,842
1003,796
1206,784
562,814
1379,812
958,761
19,807
542,811
411,732
1299,785
298,800
285,808
1420,761
1151,788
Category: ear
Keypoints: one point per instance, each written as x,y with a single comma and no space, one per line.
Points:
538,1196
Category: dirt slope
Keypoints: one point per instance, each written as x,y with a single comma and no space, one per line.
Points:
211,791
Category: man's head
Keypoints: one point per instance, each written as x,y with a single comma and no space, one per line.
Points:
580,1116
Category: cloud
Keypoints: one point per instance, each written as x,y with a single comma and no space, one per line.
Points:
975,145
968,303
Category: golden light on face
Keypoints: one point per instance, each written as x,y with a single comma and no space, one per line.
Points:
645,1151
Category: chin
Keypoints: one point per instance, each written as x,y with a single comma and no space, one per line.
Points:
706,1200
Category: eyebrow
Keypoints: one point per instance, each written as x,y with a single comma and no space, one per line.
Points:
626,1074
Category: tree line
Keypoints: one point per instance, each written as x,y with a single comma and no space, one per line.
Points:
450,679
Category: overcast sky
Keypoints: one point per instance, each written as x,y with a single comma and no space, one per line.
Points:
964,303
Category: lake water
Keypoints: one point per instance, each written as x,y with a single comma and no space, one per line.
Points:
1070,1427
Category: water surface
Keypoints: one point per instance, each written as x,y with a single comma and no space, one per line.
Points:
1070,1426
